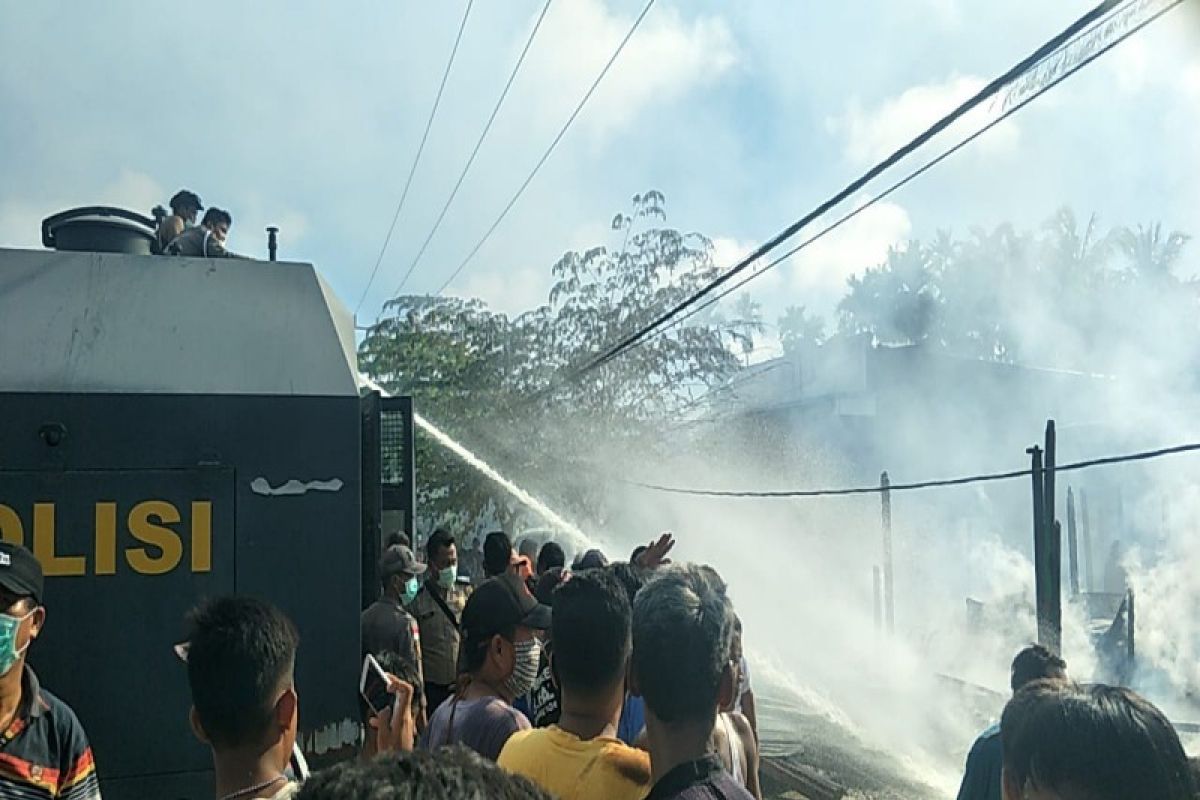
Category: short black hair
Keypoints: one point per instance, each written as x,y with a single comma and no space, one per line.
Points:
1099,742
241,652
497,553
547,582
551,555
682,616
185,201
592,559
399,537
591,631
437,540
637,552
631,577
215,216
1034,663
449,773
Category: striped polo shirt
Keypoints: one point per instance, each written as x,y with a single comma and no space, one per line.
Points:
44,752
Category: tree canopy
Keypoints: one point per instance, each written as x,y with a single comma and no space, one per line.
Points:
498,382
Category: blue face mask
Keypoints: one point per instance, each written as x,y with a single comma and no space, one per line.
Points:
448,576
9,625
411,587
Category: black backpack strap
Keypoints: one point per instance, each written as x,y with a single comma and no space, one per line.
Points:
437,598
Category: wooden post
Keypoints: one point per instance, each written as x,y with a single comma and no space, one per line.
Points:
889,599
1088,571
1072,544
1052,550
1130,627
1039,545
878,595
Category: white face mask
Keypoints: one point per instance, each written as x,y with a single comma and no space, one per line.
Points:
525,668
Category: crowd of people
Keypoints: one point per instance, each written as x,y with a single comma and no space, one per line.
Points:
597,680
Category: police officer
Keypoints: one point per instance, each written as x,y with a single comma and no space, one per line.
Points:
386,625
438,609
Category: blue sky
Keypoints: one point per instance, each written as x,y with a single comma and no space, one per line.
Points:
745,114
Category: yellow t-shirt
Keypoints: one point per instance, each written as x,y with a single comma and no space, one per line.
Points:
572,769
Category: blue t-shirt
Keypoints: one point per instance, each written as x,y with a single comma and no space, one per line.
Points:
982,779
633,720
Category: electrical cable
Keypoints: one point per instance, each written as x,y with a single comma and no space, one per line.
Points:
901,487
545,156
475,152
437,100
987,92
890,190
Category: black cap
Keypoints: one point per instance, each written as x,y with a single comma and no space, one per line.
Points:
501,603
399,559
20,572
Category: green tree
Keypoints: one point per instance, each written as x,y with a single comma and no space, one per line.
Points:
500,384
1063,295
797,328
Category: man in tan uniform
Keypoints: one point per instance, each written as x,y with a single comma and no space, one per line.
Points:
438,608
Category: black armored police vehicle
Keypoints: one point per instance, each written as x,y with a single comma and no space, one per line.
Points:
174,428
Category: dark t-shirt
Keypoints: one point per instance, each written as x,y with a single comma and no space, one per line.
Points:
385,626
982,778
483,725
545,697
703,779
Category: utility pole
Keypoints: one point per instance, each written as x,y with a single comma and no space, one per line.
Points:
878,597
889,600
1090,580
1072,544
1047,544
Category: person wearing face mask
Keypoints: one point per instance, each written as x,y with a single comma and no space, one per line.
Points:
385,625
206,240
500,653
438,607
44,751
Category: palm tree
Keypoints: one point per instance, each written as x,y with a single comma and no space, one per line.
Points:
1151,254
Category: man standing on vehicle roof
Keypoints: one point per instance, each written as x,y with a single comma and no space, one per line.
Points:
438,608
44,751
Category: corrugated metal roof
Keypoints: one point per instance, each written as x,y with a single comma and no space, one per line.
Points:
106,322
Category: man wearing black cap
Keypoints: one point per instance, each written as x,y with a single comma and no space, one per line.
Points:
386,625
498,661
44,751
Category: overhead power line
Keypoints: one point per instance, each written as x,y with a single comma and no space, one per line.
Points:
902,182
984,94
437,100
475,152
1144,455
545,156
